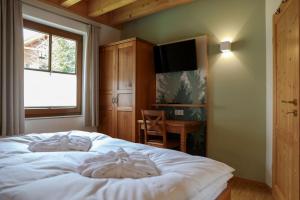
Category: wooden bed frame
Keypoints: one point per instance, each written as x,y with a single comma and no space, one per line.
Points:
226,194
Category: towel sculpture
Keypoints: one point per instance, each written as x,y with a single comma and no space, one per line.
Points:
61,143
119,164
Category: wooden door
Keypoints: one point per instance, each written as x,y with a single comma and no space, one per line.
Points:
125,91
108,61
286,102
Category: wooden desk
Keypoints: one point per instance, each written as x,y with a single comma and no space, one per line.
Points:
176,126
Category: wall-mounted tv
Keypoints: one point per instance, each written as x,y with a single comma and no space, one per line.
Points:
179,56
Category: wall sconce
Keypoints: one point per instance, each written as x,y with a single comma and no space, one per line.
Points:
225,47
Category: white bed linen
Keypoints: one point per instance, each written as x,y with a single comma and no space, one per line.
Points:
61,143
213,190
53,175
119,164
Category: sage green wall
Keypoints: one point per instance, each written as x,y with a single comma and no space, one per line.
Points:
237,88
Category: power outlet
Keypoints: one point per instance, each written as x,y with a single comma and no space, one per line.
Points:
179,112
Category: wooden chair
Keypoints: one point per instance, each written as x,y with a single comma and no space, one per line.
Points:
155,130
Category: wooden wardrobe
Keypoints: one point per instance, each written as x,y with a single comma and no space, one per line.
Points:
286,137
127,85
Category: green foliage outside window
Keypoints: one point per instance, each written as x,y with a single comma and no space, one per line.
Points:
63,55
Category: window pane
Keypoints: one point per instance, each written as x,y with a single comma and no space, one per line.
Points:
63,55
36,50
44,89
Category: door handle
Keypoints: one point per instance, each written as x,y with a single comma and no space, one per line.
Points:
294,112
117,99
294,102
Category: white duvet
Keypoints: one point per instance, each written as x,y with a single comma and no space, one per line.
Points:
53,175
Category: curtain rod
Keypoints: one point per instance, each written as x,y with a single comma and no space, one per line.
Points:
62,15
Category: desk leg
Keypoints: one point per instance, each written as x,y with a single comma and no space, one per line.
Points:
183,140
140,134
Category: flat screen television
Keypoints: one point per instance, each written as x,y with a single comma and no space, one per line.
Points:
179,56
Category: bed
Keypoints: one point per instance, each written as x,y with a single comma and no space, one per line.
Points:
53,175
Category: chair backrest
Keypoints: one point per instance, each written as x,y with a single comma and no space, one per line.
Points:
154,124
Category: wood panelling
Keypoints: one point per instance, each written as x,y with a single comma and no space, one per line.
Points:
125,89
107,90
125,125
112,12
145,76
107,73
286,102
128,82
106,99
106,121
100,7
126,66
68,3
125,100
142,8
80,8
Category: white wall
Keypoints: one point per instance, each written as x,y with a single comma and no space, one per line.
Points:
271,6
31,10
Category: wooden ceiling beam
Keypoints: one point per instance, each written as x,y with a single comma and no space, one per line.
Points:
100,7
115,12
80,9
142,8
69,3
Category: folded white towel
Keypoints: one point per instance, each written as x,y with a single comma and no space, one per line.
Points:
61,143
119,165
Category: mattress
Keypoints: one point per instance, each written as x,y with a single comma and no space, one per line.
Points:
53,175
213,190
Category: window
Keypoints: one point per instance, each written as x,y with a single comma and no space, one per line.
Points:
52,71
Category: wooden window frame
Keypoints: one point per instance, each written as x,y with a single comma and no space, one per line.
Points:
58,111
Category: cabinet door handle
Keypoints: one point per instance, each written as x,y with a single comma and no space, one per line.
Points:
294,112
113,100
294,102
117,99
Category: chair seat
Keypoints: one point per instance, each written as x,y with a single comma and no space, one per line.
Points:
171,143
155,130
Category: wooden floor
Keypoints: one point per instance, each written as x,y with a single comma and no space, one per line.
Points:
248,190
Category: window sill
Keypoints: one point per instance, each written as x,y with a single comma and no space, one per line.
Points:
52,112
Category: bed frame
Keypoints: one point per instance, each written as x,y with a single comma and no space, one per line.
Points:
226,194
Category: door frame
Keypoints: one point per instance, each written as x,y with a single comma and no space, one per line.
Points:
282,9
